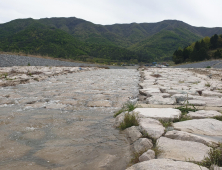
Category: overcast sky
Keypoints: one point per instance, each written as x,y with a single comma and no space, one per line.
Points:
205,13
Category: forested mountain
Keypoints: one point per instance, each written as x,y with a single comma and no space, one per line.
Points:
82,40
205,49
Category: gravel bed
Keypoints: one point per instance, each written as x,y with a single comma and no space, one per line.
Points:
15,60
203,64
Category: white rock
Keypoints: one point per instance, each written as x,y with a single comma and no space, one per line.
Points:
196,102
159,100
165,164
149,91
119,119
181,97
185,136
142,145
150,154
204,114
152,127
182,150
210,127
159,113
133,133
211,93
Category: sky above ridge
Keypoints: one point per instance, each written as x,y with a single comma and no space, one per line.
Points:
205,13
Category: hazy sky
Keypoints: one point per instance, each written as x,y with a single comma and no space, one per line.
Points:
194,12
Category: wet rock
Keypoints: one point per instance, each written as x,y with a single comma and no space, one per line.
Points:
182,150
180,135
101,103
159,113
165,164
209,127
148,155
204,114
119,119
6,101
152,127
142,145
133,133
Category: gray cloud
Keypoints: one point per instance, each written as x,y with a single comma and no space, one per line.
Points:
194,12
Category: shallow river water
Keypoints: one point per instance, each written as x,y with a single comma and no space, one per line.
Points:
52,124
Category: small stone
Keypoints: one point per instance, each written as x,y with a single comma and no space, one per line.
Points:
142,144
152,127
133,133
150,154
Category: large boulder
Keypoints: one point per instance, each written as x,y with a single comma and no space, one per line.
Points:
210,127
152,127
159,113
182,150
165,164
180,135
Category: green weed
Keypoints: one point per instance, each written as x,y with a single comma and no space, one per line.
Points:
214,157
129,120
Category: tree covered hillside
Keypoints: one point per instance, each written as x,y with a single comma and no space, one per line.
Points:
82,40
205,49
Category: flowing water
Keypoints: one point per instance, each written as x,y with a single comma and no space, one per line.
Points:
50,124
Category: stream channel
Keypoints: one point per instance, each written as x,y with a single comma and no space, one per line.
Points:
52,125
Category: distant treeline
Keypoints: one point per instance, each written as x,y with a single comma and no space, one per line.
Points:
205,49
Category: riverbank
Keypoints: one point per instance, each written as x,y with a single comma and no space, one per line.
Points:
183,132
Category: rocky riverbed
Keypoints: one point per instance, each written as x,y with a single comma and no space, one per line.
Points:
62,117
181,138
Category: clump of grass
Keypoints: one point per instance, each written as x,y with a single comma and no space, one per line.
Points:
208,67
166,123
218,118
156,75
207,84
129,120
157,150
128,106
135,157
214,157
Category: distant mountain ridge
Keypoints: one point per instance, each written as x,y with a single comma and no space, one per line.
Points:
140,41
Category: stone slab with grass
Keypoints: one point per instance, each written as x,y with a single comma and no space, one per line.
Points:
204,114
159,113
210,127
165,164
182,150
151,127
185,136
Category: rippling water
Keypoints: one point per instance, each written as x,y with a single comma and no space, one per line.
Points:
50,125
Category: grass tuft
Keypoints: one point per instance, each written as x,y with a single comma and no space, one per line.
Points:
166,123
214,157
129,120
218,118
128,106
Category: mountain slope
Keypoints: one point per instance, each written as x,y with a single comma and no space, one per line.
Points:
144,41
